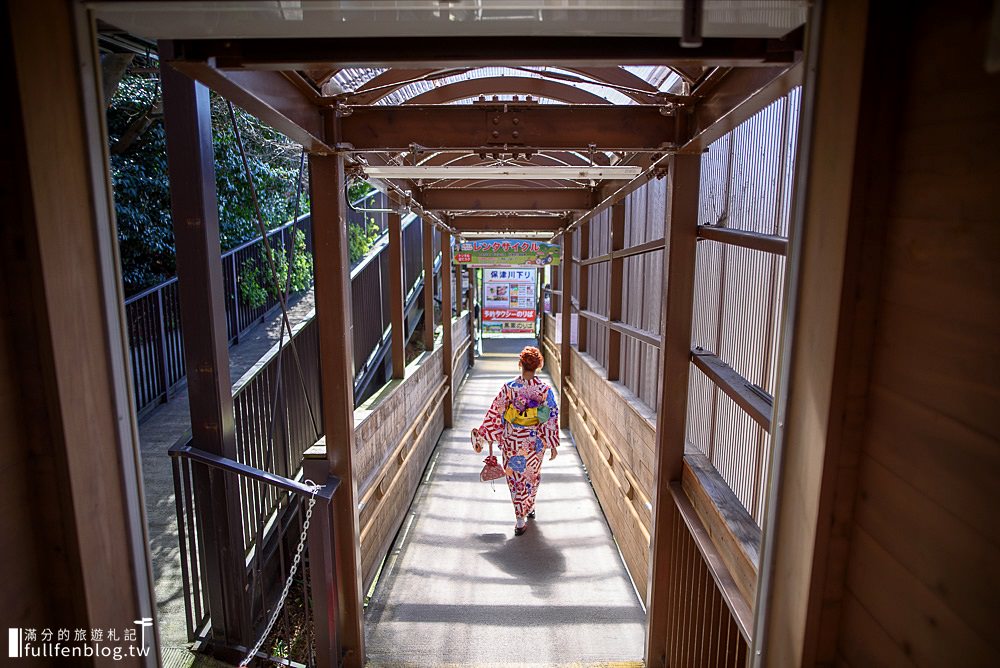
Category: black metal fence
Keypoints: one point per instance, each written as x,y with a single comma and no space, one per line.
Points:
370,301
153,317
267,555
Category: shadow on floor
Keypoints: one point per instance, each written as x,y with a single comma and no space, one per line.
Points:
530,558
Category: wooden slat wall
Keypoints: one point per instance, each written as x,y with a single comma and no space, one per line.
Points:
645,213
922,584
600,243
745,185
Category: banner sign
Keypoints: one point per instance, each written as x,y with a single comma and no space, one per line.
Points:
506,252
509,300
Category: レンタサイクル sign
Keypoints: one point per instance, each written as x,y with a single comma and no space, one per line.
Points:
507,252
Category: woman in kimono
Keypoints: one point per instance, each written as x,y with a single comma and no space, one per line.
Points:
524,421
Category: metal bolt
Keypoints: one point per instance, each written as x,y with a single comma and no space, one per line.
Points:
515,134
515,120
495,133
496,120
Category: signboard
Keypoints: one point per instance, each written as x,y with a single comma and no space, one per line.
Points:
506,252
509,300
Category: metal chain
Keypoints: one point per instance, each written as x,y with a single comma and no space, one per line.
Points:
291,576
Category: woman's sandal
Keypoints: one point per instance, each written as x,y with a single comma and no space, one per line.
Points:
531,515
519,531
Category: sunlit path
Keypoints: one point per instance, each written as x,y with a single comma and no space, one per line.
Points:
459,588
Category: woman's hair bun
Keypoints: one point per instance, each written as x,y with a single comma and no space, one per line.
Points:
531,358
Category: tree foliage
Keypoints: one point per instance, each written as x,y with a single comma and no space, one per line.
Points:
142,186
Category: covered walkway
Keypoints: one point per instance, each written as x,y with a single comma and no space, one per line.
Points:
772,320
458,588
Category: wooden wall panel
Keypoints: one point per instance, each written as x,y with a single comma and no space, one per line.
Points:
387,474
926,542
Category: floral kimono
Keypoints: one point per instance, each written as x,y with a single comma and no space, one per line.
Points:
524,421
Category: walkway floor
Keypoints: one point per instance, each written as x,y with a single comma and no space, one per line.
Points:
162,428
459,589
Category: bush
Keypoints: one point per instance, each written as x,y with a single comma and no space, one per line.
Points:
256,279
361,240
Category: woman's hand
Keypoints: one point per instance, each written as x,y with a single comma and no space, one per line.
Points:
477,441
553,455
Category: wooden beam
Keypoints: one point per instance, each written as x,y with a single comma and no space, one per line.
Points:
615,290
506,199
446,323
566,313
583,300
732,529
511,126
737,96
622,328
506,223
336,334
675,360
397,316
756,403
648,247
465,51
195,215
428,285
467,88
270,96
768,243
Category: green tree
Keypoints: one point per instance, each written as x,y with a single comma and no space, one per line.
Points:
141,182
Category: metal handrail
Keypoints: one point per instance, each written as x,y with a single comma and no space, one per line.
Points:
326,492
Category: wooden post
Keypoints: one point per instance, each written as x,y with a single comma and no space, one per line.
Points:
428,286
459,292
195,213
615,288
566,308
472,315
583,299
397,317
675,359
446,322
333,311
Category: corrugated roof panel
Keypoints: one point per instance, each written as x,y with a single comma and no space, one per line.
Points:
663,78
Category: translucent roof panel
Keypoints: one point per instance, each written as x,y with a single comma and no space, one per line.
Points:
658,77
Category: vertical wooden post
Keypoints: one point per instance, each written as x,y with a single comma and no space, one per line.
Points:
195,213
566,308
473,323
428,286
336,333
446,322
396,315
615,289
583,299
459,292
675,360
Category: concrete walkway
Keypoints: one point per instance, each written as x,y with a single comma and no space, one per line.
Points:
459,589
161,429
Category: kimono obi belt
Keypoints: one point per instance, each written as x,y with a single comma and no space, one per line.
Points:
525,418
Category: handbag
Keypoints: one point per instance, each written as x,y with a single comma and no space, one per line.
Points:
491,469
